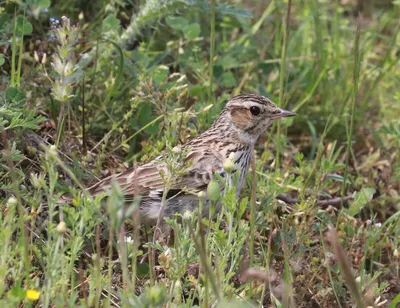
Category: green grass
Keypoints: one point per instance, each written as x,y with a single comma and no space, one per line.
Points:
134,79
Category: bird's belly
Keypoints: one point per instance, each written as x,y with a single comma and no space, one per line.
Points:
150,208
150,211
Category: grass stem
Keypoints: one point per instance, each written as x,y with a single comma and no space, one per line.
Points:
282,76
356,76
252,216
212,50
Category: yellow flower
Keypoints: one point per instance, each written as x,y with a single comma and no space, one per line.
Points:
32,294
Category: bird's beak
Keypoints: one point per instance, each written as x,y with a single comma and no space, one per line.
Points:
286,113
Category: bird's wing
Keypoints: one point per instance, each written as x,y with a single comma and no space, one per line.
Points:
134,181
147,180
204,163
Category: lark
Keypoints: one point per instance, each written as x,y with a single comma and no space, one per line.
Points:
232,136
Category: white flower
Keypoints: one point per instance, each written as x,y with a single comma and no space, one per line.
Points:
12,201
127,239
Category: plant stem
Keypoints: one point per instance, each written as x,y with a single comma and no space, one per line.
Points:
252,216
97,267
13,49
356,76
60,124
212,47
110,263
282,81
84,149
21,47
21,212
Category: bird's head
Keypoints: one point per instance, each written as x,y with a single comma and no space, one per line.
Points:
252,114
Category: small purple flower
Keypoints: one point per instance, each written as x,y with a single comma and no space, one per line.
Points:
52,19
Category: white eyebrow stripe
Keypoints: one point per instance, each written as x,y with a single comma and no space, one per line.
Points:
249,104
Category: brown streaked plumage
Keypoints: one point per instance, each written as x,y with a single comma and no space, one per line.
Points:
233,135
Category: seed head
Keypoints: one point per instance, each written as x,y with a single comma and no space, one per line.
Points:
201,195
213,190
12,201
61,227
228,165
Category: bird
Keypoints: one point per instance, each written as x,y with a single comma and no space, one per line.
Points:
232,136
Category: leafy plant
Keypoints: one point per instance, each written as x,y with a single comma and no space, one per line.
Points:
121,106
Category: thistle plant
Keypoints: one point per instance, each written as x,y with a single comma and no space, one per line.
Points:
63,64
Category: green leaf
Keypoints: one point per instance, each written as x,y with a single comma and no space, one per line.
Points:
2,60
228,79
4,20
145,115
16,154
140,58
15,97
23,22
337,177
177,23
395,301
228,62
192,31
17,292
160,74
142,270
361,198
242,207
25,121
37,6
228,9
43,4
110,23
196,89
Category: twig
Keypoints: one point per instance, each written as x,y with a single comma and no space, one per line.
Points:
321,203
334,201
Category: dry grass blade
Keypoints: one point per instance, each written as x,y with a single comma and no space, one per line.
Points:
345,266
258,274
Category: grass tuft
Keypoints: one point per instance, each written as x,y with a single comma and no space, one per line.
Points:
77,105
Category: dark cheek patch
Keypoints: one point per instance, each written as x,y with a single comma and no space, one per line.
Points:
241,118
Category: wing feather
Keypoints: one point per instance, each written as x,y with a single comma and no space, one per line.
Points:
147,178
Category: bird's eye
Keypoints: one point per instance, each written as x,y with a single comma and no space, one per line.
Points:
255,111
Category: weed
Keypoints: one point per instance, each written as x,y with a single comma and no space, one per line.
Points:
317,224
